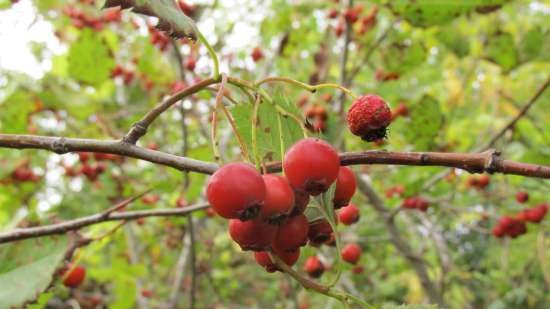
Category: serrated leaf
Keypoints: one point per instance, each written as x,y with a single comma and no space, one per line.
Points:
89,60
171,19
27,268
426,120
501,50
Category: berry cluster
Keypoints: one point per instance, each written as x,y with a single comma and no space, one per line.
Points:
266,212
479,182
513,226
361,24
23,173
416,202
80,19
91,170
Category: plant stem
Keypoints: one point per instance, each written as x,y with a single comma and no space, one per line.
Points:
212,53
308,87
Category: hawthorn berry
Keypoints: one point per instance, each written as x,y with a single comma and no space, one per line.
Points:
345,187
368,117
314,267
357,269
146,293
292,234
416,202
351,253
522,197
348,214
288,257
279,199
257,54
333,13
181,202
319,232
73,275
537,213
190,63
236,191
254,235
311,165
301,200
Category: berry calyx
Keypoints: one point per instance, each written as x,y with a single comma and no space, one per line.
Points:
522,197
319,232
368,117
351,253
311,165
314,267
301,200
292,234
345,187
254,235
348,215
73,275
236,191
279,199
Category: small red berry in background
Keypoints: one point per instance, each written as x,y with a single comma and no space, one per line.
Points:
311,165
368,117
236,191
150,199
314,267
257,54
395,191
181,202
73,275
339,29
146,293
351,253
349,214
190,63
534,214
522,197
357,269
292,234
279,199
332,13
345,187
254,235
416,202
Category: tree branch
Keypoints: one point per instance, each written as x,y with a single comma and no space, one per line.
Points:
61,228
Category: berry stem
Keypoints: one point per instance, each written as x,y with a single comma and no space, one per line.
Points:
308,87
216,71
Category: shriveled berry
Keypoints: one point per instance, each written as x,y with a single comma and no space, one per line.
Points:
351,253
279,199
368,117
349,214
345,187
73,275
319,232
301,200
236,191
314,267
522,197
292,234
254,235
311,165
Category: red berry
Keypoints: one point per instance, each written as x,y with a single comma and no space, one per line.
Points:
368,117
292,234
112,15
311,165
288,257
314,267
73,275
146,293
340,27
357,269
310,112
84,156
186,8
301,200
416,202
349,214
150,199
236,191
333,13
22,173
498,231
345,187
522,197
351,15
319,232
257,54
537,213
279,199
181,202
190,63
254,235
351,253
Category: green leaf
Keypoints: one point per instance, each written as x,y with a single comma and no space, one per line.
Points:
402,57
501,50
27,268
89,60
426,120
531,44
172,19
15,112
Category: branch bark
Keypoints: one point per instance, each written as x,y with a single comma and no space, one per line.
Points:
76,224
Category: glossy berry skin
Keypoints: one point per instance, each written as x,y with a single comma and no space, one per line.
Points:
311,165
236,191
348,215
288,257
301,200
314,267
73,275
279,199
319,232
368,117
253,235
351,253
522,197
345,187
292,234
